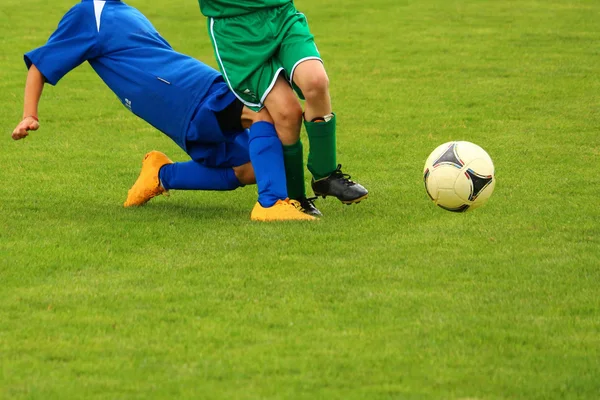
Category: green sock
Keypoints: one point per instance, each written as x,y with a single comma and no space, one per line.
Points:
294,170
322,155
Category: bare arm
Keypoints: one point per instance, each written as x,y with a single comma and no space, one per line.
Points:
33,92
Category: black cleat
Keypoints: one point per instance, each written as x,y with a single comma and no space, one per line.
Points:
307,206
339,185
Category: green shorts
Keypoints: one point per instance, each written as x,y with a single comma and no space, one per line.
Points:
253,49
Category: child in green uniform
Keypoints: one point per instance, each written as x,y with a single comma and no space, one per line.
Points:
265,51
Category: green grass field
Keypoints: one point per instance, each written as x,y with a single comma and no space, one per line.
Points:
392,298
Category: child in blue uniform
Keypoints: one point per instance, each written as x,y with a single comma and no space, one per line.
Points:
183,98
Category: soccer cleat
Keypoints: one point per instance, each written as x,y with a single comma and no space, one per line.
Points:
339,185
148,184
283,210
307,206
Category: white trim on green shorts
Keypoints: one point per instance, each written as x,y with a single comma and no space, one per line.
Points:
262,100
212,34
305,58
300,62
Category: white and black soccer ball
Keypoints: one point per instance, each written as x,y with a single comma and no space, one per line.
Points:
459,176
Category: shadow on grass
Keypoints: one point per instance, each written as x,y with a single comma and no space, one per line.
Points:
172,210
89,211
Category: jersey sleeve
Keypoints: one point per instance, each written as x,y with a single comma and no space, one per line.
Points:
74,41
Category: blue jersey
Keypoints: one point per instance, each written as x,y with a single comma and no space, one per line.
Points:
156,83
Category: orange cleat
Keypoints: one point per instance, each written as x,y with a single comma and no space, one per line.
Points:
147,185
283,210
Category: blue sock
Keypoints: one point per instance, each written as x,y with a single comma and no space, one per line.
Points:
266,154
191,175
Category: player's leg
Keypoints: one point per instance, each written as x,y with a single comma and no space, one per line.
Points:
286,111
265,150
159,175
266,153
310,76
217,142
205,144
303,65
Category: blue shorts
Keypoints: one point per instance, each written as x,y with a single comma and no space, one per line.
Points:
205,140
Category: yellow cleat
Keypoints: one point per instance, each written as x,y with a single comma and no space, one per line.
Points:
147,185
283,210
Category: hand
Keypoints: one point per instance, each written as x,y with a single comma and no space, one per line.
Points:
22,130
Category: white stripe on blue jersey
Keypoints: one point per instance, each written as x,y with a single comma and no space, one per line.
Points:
98,7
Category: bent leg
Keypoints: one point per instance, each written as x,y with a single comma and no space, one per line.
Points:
320,123
266,156
192,175
286,111
311,78
245,174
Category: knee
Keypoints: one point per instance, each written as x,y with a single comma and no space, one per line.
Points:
315,86
288,120
245,174
289,116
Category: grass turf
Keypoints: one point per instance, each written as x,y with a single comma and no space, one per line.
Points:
392,298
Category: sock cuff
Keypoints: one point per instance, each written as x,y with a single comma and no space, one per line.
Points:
293,148
262,129
163,174
321,128
325,118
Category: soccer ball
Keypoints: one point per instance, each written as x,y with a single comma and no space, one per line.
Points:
459,176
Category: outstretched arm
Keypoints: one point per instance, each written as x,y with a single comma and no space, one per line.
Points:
33,92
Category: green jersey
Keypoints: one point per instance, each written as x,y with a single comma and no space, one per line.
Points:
235,8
